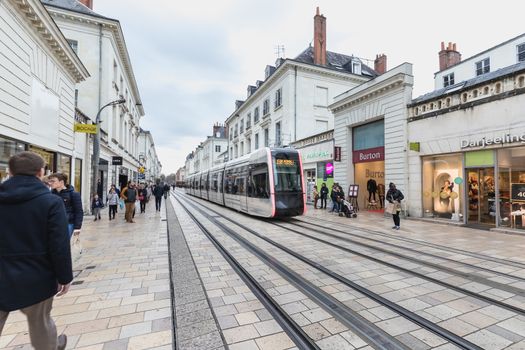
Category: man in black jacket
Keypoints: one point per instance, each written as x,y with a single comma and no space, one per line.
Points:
35,256
158,192
71,199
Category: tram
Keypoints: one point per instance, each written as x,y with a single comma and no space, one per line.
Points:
267,183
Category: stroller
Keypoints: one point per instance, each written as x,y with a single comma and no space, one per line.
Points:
346,209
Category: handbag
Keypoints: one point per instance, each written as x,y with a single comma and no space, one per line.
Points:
76,248
121,204
389,208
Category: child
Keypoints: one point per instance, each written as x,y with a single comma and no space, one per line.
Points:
96,205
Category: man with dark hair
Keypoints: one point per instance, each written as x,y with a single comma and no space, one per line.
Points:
158,192
71,199
35,256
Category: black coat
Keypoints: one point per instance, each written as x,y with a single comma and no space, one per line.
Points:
158,191
324,192
34,243
73,205
394,195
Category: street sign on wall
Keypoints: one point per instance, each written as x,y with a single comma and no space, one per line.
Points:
116,160
85,128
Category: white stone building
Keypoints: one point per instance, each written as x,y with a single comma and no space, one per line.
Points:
469,163
148,158
291,104
38,72
99,42
371,131
210,152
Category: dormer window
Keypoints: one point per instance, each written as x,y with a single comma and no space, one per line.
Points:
448,80
521,52
483,66
356,67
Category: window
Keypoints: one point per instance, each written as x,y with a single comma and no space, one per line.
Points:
521,52
76,97
248,145
217,148
256,145
448,80
231,134
248,121
483,66
236,133
266,107
242,149
115,73
356,67
256,115
266,137
321,96
278,134
73,44
278,98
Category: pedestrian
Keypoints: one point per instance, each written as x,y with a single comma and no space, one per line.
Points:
324,195
96,206
35,255
333,195
112,202
166,191
316,196
71,199
143,198
394,198
158,192
99,188
129,195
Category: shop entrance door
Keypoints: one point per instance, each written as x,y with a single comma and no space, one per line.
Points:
481,194
309,175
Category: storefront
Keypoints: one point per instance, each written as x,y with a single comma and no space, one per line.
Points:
317,157
368,157
8,148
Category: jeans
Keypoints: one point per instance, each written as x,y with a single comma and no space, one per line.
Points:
396,218
335,206
112,211
323,203
70,229
142,206
158,202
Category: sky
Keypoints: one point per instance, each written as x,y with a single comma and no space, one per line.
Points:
193,59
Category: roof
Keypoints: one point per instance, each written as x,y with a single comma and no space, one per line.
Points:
484,78
336,61
72,5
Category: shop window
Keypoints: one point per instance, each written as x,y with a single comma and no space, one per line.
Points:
78,175
64,165
8,148
511,164
369,136
443,187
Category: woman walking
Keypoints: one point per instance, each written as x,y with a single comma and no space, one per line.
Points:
112,202
143,198
394,198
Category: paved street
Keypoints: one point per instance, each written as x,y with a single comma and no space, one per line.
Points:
121,296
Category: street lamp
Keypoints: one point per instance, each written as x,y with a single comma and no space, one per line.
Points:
96,144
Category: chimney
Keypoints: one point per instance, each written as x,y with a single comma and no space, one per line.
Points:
448,56
319,39
380,63
87,3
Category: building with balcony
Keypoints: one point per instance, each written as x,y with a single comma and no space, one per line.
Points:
148,158
39,71
99,43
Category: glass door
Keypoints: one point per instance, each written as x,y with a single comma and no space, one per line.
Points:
481,196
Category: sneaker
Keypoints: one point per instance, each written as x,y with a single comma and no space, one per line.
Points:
61,342
394,227
397,227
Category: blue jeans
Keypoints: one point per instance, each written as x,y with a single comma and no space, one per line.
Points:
70,229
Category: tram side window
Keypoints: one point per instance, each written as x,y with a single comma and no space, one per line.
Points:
240,186
219,182
259,181
228,182
214,183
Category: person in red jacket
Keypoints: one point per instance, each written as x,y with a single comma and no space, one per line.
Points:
35,255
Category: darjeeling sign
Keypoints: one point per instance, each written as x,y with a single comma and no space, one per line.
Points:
499,140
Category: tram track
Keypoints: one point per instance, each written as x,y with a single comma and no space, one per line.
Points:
331,304
513,263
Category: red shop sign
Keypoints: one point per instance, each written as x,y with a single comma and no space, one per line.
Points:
369,155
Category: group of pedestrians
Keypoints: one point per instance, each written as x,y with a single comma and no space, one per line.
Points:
393,197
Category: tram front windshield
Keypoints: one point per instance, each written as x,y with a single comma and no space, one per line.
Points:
287,172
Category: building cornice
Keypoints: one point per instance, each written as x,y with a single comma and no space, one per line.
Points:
36,16
115,28
393,79
287,67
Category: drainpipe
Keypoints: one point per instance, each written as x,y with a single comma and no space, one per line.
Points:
295,106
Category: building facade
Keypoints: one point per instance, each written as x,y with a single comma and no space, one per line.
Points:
210,152
37,91
469,163
150,166
100,44
371,132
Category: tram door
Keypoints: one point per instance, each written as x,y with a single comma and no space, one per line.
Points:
481,196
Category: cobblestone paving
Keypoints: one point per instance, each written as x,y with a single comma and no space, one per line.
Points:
121,299
486,325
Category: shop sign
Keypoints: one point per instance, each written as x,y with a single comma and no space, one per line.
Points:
326,136
518,192
337,153
317,153
499,140
369,155
116,160
415,146
85,128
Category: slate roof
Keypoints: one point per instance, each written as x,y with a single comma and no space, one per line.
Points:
484,78
72,5
336,61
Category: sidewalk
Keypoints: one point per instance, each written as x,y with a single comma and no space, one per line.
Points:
120,297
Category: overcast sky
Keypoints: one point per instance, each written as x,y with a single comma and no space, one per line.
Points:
193,59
